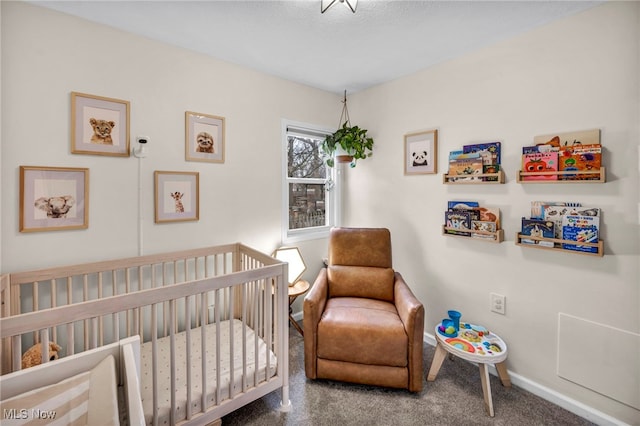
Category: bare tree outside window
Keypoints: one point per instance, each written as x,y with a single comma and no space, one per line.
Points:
307,174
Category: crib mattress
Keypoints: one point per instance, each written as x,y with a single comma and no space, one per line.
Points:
164,374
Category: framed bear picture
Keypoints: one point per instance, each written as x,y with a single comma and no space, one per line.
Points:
204,137
421,153
53,198
99,125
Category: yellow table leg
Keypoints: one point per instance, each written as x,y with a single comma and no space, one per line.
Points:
486,388
438,358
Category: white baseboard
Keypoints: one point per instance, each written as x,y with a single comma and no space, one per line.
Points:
569,404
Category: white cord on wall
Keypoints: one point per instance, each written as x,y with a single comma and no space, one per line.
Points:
140,152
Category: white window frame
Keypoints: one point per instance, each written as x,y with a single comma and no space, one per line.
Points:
331,196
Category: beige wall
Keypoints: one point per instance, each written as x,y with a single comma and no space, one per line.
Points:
46,55
579,73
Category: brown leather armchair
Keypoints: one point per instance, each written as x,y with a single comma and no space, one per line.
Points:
362,323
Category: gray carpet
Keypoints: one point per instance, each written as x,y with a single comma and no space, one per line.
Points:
454,398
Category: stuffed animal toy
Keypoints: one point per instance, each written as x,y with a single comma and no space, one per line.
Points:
33,356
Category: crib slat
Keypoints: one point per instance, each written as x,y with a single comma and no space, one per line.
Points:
154,361
203,358
231,349
243,384
100,322
16,356
85,297
256,304
141,311
187,321
172,351
94,331
36,307
44,338
127,289
70,339
217,323
54,303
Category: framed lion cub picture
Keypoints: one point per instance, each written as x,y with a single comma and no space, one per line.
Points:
99,125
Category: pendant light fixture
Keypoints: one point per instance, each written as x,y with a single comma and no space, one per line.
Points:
326,4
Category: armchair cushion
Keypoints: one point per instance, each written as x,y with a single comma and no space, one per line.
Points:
363,331
361,281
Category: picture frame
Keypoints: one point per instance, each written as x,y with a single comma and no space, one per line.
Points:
99,125
204,137
53,198
177,196
421,153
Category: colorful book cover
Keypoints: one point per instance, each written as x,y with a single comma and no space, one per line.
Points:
458,220
539,148
540,162
484,226
492,148
537,207
461,155
491,168
583,229
537,228
490,214
465,169
455,205
556,213
454,154
582,137
580,158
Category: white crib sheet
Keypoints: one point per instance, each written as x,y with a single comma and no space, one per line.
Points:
164,374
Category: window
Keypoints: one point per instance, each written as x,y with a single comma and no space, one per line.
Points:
308,184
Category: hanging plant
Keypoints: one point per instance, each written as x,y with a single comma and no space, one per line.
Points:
349,143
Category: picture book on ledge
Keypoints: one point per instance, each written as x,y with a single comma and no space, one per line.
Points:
562,220
475,159
462,217
540,162
582,229
579,151
537,228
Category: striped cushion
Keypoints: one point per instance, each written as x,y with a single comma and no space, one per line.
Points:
69,402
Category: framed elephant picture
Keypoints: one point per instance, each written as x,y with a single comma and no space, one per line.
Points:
53,198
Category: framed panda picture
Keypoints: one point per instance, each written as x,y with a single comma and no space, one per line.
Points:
421,153
99,125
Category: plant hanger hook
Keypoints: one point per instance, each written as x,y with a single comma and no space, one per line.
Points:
344,117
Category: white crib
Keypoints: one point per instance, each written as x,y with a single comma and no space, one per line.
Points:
212,319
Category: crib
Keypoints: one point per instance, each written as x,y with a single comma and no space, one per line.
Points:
212,325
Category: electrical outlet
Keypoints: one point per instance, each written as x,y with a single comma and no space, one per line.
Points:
498,302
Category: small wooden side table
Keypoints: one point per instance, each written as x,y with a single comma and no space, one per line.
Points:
477,347
298,289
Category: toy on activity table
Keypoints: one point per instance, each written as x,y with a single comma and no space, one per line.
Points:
449,327
476,339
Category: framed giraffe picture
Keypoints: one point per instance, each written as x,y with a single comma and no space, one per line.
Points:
176,196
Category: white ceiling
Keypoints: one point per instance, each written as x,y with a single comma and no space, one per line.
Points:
334,51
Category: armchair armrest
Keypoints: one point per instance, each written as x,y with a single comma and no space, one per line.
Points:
411,312
313,307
